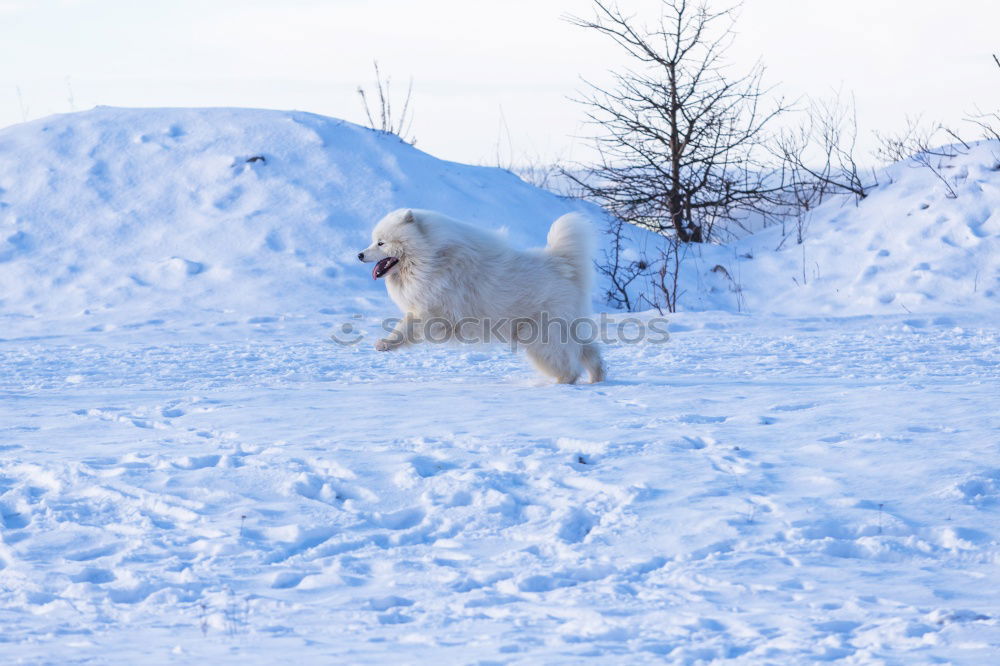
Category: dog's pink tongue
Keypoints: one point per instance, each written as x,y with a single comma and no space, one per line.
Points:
382,266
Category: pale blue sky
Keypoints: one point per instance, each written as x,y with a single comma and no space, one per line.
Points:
469,60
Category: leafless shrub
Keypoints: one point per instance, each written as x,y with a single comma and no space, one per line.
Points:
620,271
504,142
666,277
22,107
383,118
542,173
819,155
733,282
680,139
917,144
987,123
801,191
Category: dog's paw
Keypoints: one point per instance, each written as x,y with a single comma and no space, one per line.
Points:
382,345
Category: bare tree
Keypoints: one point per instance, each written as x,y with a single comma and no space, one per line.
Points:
679,138
819,155
383,119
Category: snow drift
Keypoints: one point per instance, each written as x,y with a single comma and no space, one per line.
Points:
112,212
914,244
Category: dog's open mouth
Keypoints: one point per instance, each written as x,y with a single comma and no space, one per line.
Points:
383,267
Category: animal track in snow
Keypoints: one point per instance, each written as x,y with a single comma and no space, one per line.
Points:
576,525
698,418
795,407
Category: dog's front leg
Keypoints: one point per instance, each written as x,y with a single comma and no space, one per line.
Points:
400,336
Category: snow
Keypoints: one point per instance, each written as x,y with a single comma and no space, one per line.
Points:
909,246
191,469
115,214
913,245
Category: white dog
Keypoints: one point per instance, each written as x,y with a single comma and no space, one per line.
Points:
456,277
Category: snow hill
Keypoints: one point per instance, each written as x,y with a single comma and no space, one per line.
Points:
912,245
111,212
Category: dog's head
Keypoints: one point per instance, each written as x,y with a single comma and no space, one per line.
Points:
393,239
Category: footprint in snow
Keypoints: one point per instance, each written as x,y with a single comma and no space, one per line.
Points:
699,418
385,603
695,442
132,595
981,489
403,519
93,575
226,201
197,462
726,459
301,542
538,583
286,580
794,407
577,525
425,466
394,618
92,553
13,520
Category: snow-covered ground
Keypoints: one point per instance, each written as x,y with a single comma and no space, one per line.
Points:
191,469
918,243
777,490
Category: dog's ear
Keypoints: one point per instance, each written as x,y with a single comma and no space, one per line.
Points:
410,218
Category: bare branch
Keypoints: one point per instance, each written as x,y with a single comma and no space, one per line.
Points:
680,139
819,155
916,145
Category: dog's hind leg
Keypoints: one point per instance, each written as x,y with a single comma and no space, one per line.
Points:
557,361
590,356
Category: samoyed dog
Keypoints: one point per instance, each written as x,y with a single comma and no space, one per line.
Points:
455,281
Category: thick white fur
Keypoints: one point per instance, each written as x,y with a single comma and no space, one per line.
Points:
455,271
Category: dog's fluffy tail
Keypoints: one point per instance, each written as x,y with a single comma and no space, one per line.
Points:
571,240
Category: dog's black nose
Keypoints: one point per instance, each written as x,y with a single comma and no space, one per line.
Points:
361,256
